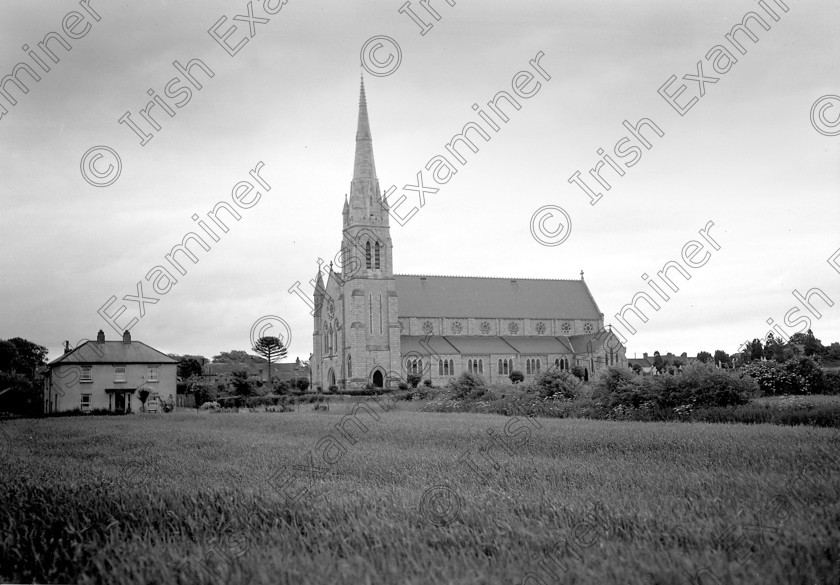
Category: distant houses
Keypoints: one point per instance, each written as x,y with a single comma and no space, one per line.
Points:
108,375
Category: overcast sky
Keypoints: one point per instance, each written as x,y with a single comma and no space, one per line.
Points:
745,156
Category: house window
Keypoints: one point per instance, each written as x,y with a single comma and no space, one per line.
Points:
153,374
85,405
86,374
119,373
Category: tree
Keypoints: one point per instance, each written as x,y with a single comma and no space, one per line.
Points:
143,395
414,379
813,346
722,358
189,366
241,383
20,389
516,376
303,384
657,362
271,348
704,357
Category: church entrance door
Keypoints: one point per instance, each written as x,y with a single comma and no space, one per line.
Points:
378,382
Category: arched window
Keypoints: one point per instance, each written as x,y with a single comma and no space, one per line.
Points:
367,255
585,375
500,367
446,369
557,364
469,366
376,256
527,366
349,366
480,366
567,363
506,367
440,368
538,365
414,367
451,368
510,364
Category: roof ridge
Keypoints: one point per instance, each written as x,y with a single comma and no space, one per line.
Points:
493,277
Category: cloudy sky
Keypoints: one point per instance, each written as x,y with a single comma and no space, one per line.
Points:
746,156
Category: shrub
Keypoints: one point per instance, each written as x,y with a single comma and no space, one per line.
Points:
303,384
427,383
831,381
333,389
557,383
210,406
516,376
402,386
577,371
468,385
414,379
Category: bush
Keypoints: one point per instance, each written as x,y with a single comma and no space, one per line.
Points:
557,383
831,381
332,389
795,376
516,376
468,386
414,379
577,371
210,406
427,383
402,386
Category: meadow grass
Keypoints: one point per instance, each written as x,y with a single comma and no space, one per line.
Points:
190,496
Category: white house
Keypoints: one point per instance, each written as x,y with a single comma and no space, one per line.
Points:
108,375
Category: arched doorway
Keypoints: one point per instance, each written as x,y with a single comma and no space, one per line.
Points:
378,379
332,377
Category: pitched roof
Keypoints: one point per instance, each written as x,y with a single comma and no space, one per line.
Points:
480,344
470,296
431,345
114,352
538,344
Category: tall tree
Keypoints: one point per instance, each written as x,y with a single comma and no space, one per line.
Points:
704,356
722,358
272,349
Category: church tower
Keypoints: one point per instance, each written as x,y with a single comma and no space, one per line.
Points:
361,343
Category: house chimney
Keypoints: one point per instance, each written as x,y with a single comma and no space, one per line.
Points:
67,347
100,337
127,337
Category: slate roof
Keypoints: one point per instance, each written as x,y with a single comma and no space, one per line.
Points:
480,344
434,345
538,344
114,352
469,296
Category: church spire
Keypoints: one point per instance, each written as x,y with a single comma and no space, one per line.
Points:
364,167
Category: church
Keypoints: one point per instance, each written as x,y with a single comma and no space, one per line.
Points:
374,327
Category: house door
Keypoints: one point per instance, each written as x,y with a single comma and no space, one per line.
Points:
119,402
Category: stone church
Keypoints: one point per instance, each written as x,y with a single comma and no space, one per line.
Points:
375,327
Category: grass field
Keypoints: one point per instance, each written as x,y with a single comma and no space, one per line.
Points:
234,498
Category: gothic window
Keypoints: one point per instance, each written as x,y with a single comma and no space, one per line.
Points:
420,366
367,255
349,366
451,367
513,328
587,327
480,366
557,364
428,328
540,328
370,305
469,366
484,328
500,367
566,328
510,363
538,365
567,363
506,367
376,256
414,366
380,309
527,366
440,368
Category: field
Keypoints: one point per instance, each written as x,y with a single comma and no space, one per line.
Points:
415,497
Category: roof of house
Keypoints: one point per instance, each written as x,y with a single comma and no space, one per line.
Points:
114,352
469,296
